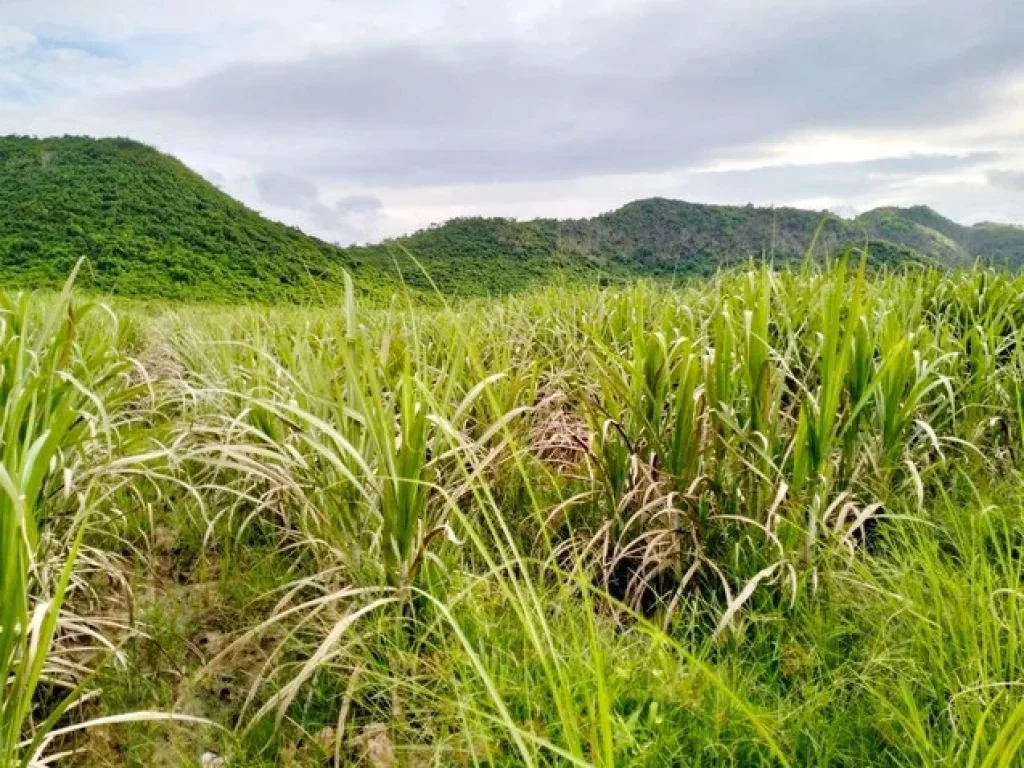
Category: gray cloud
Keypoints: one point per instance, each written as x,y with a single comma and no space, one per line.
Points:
285,189
642,94
1009,179
358,204
842,180
544,109
351,219
215,177
923,165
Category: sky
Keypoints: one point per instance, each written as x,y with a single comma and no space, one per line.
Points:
363,119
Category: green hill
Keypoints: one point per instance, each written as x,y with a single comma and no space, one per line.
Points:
147,224
151,227
923,229
478,256
663,236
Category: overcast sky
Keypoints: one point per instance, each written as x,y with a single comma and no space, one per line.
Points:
358,119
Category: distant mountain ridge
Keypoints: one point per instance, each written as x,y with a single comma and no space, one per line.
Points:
150,227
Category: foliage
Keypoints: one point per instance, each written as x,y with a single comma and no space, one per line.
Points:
479,257
149,227
921,228
58,429
768,519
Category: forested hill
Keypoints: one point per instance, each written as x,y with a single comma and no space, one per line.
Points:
147,224
151,227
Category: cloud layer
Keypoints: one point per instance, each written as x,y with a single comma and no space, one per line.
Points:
357,127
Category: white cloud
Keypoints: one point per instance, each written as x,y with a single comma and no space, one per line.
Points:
14,41
358,119
1010,179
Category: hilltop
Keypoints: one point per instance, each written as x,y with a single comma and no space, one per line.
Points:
661,235
148,225
151,227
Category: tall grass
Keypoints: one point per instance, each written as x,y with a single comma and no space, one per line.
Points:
56,429
77,440
766,519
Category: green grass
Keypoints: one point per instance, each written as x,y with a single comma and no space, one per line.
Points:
769,519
